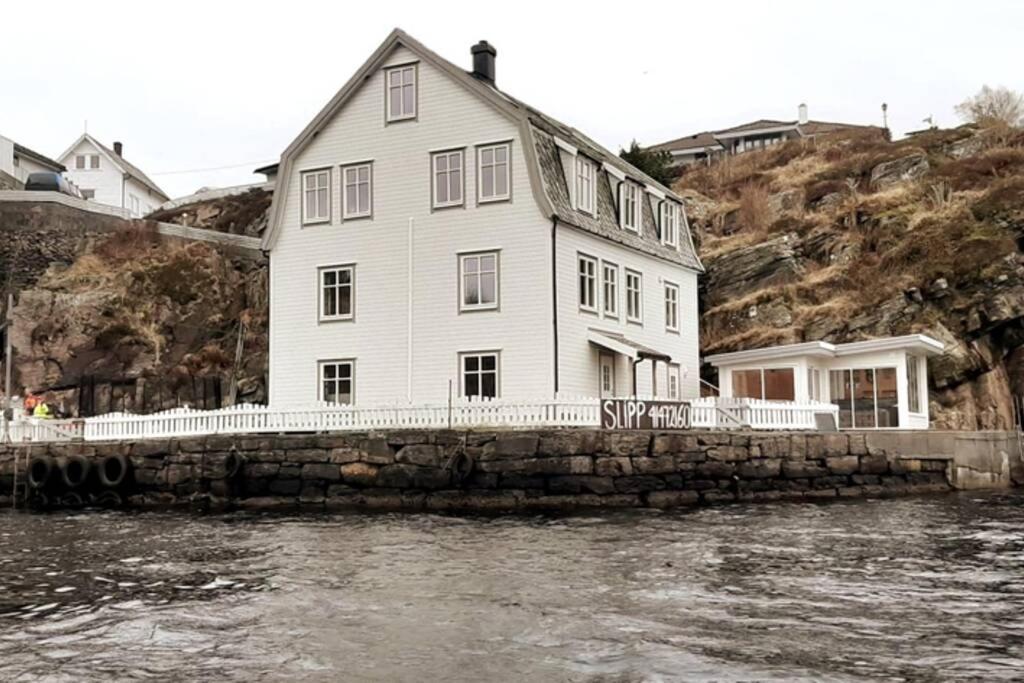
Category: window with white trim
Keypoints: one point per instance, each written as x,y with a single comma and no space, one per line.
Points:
673,381
914,384
337,292
587,282
479,281
634,296
316,196
401,87
494,179
79,161
357,191
671,307
586,175
669,223
94,161
610,289
629,207
448,178
338,381
480,375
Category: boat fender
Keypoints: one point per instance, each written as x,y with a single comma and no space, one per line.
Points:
113,470
74,470
40,471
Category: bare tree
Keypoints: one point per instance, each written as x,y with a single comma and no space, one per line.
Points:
998,105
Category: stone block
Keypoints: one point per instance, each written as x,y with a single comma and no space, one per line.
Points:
573,464
570,442
691,457
255,470
516,480
672,499
797,447
765,468
359,473
717,497
821,494
728,453
344,454
285,487
934,465
770,446
289,471
511,446
660,464
423,455
482,480
325,472
584,483
795,469
741,440
702,484
842,464
858,444
312,493
151,448
195,444
473,500
264,503
255,487
627,444
639,484
713,439
715,470
672,444
850,491
612,467
866,479
408,438
178,474
874,464
835,444
147,477
412,477
308,455
905,465
376,451
829,482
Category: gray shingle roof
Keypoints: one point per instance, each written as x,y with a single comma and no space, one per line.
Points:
24,151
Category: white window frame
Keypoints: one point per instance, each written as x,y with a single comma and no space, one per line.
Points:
321,379
347,212
351,286
478,255
587,303
674,380
914,384
636,316
669,224
304,189
671,307
495,196
609,289
402,70
629,206
586,185
479,372
447,156
80,163
94,158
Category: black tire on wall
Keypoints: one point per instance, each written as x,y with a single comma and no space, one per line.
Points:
38,501
74,470
41,469
233,464
72,500
108,500
114,470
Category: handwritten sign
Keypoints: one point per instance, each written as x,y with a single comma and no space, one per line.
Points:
630,413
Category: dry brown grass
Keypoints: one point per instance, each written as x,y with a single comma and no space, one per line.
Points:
755,214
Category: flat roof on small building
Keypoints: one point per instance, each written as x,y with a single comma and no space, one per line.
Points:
916,343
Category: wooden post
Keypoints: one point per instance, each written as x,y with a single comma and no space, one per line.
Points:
7,354
233,389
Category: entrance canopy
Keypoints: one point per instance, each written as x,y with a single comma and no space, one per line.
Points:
617,343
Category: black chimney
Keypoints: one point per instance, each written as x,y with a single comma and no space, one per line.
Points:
483,61
117,148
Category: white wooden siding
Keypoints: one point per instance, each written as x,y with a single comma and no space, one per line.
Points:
378,339
106,181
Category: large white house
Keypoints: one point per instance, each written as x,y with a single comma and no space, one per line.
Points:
18,161
105,176
428,231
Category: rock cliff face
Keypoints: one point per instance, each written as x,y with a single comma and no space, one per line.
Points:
854,237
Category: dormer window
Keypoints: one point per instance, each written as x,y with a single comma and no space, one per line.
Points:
586,175
401,92
629,207
669,224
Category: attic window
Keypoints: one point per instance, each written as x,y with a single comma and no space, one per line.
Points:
669,224
401,92
629,207
586,174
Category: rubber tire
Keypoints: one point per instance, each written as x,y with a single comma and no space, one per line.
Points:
73,463
72,500
113,470
233,464
41,469
462,467
38,501
108,500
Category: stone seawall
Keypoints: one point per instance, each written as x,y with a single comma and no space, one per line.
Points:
533,470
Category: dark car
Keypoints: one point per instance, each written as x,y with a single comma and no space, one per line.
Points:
48,181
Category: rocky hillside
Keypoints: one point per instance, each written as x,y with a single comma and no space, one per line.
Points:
856,237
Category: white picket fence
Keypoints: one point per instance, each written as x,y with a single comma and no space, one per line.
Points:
706,413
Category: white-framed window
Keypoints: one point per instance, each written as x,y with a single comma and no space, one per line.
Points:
494,172
316,196
814,384
671,307
586,179
337,292
337,381
588,282
634,297
401,92
480,374
79,161
914,384
448,178
669,224
88,194
133,204
673,381
610,289
629,207
357,191
479,281
94,161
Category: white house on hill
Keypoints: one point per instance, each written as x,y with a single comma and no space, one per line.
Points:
18,161
106,177
429,228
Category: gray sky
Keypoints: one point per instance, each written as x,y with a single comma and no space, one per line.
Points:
196,85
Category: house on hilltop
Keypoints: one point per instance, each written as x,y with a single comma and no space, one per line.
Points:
18,161
747,137
428,230
106,177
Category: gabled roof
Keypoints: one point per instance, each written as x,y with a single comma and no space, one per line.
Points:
21,150
537,131
119,162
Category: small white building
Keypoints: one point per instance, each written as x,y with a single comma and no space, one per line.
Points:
877,384
18,161
429,230
103,175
